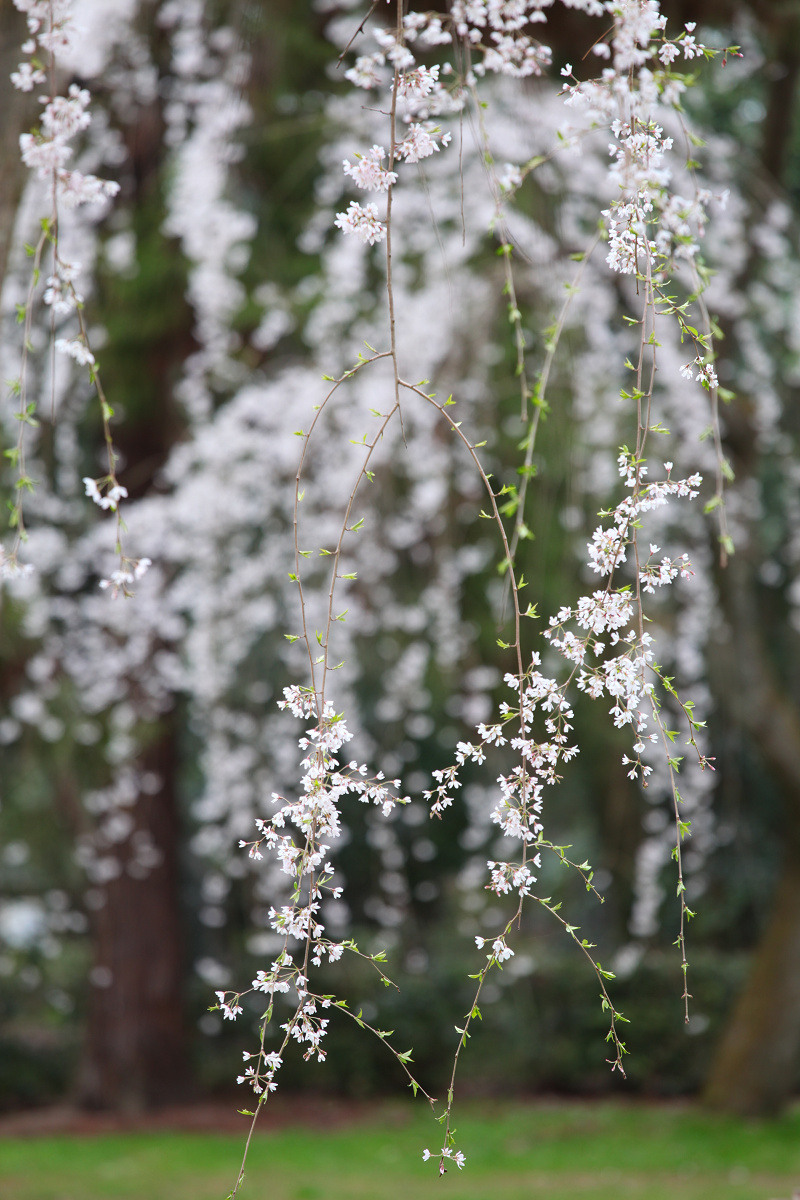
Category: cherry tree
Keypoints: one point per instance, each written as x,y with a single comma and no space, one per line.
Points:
269,519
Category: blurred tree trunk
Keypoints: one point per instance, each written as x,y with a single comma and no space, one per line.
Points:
755,1068
18,111
135,1043
135,1049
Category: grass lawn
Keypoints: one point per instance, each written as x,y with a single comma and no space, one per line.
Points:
550,1151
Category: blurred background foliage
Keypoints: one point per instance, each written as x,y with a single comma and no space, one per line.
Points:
542,1028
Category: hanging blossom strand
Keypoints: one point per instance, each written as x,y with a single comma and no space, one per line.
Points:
298,837
46,152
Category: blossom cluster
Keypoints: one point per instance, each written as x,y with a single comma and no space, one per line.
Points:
268,1062
702,372
501,951
47,151
115,492
369,173
77,349
11,567
650,226
60,293
445,1154
315,815
518,808
624,677
492,30
606,614
130,571
363,222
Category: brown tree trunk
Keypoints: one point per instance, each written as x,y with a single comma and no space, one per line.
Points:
756,1064
18,111
135,1049
755,1067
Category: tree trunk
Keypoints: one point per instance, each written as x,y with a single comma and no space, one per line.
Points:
18,111
755,1067
756,1064
135,1049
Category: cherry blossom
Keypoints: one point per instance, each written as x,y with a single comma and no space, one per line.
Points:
362,222
368,171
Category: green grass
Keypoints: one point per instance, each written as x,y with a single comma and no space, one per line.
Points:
514,1152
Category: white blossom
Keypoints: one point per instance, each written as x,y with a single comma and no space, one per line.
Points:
368,171
76,348
362,222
